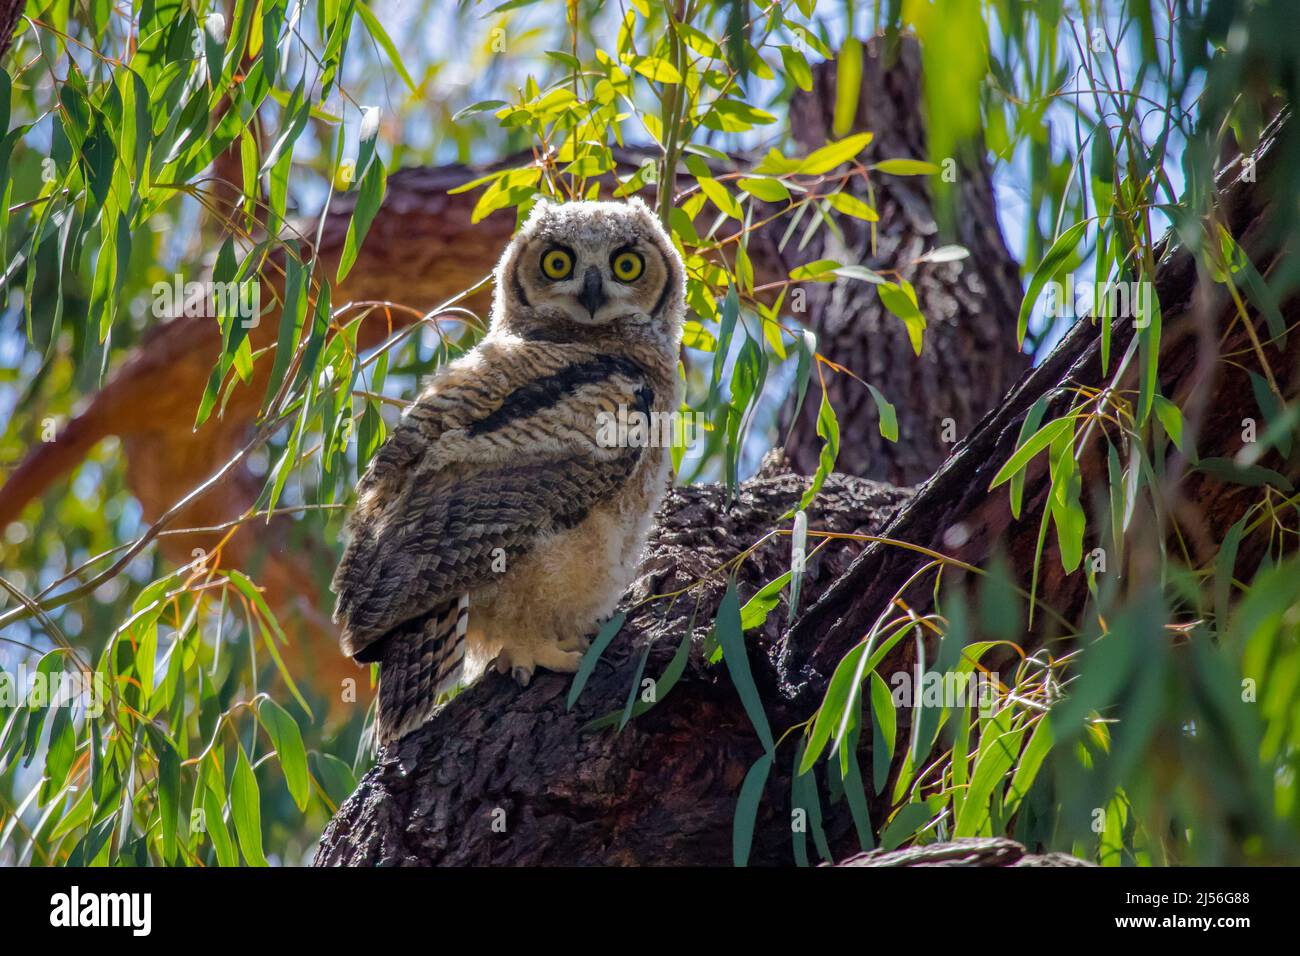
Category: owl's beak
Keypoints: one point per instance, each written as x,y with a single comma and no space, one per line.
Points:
592,295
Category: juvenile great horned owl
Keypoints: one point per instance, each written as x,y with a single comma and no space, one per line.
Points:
499,522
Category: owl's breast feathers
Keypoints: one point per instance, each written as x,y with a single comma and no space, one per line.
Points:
500,450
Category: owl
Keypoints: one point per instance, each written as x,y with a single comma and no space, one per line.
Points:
502,520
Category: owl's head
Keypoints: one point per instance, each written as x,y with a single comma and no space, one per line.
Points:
583,269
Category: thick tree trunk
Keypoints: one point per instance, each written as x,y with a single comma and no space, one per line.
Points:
11,12
970,357
664,790
954,512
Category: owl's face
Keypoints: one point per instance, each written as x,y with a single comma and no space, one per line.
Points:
584,266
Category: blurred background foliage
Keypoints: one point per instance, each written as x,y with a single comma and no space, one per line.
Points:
1105,123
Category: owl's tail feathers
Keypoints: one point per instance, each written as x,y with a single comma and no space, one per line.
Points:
421,661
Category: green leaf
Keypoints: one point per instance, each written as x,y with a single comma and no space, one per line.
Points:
851,205
1067,513
1027,428
215,825
718,194
655,68
900,299
1051,263
246,809
1171,419
905,167
1225,563
369,199
169,792
804,796
848,88
911,818
1149,350
287,740
751,792
698,41
888,415
821,270
991,765
292,314
1281,420
757,608
1041,439
731,638
635,689
1251,476
884,725
336,777
247,588
696,336
828,429
768,190
796,67
840,693
380,36
1040,744
734,116
834,154
483,106
603,638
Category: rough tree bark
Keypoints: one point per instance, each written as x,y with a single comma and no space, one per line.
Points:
663,791
11,12
969,360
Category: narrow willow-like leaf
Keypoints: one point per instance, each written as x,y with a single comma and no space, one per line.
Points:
607,633
1041,439
1027,428
757,608
884,729
888,415
828,429
1036,751
634,691
1225,563
1051,263
905,825
287,740
751,792
994,760
731,638
369,199
246,810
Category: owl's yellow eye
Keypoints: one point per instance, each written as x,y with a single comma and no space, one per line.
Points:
628,266
557,264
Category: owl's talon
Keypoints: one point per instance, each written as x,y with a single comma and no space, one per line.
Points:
522,675
577,644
